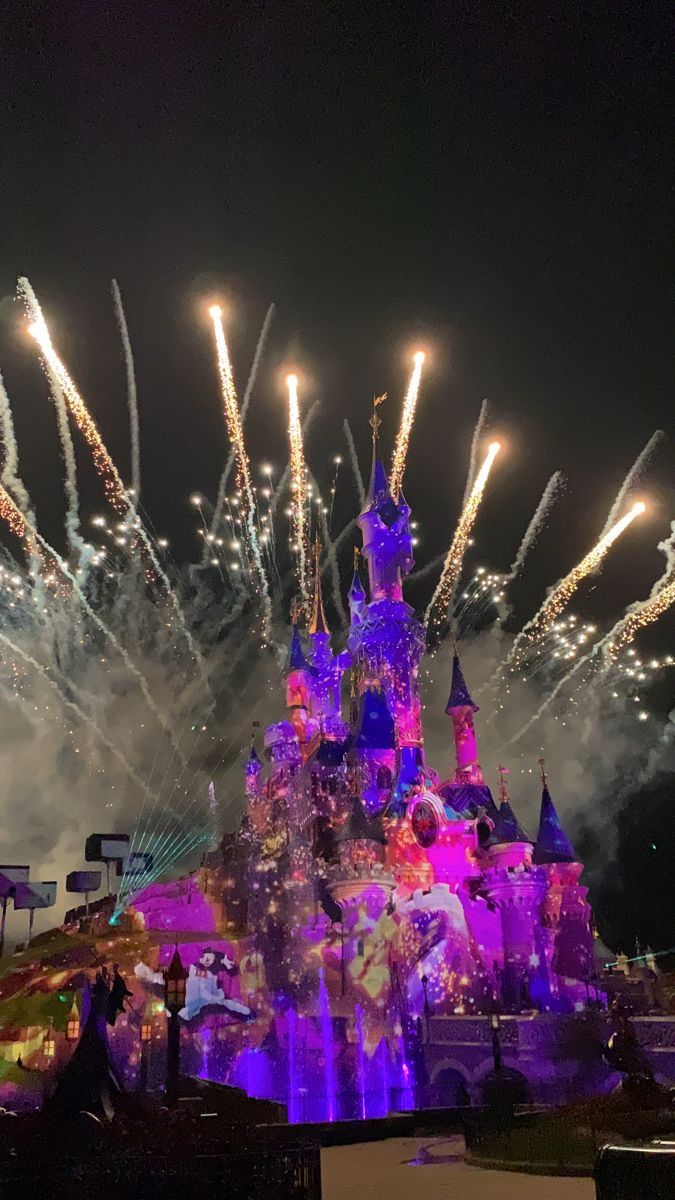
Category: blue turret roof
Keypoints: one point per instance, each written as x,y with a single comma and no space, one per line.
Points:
552,845
459,693
356,591
374,728
296,655
507,826
254,761
379,498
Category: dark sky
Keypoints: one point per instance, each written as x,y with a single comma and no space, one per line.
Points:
492,180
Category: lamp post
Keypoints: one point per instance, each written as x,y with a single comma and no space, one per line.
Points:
146,1038
424,980
174,1000
496,1044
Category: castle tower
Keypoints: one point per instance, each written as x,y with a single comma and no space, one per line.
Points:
356,594
565,911
299,688
386,639
326,669
461,708
253,769
515,888
374,745
362,886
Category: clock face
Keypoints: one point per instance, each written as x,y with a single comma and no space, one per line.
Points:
425,824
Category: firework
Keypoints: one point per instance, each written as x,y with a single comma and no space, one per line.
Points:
481,424
562,593
132,398
257,358
644,612
243,469
407,417
549,496
112,481
299,528
632,478
358,478
447,584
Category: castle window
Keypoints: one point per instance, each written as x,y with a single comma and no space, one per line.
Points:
384,777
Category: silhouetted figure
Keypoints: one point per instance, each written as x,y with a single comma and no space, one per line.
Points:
118,993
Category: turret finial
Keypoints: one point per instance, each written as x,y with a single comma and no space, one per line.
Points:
318,622
542,771
503,790
375,421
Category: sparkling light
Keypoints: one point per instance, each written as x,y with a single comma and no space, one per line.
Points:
298,486
442,597
407,418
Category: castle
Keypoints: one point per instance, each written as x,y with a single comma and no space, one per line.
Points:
373,937
373,894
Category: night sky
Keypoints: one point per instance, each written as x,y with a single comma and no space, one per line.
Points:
491,181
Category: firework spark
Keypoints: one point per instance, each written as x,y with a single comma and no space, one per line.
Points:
243,468
562,593
298,486
407,417
644,612
447,584
132,398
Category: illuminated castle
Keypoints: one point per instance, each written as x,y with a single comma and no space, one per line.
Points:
368,891
364,903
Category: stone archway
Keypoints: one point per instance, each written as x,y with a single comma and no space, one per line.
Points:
449,1087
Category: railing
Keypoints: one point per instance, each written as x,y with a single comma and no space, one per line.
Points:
258,1173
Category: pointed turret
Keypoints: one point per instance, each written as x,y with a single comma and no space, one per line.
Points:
356,594
296,654
507,827
552,844
387,543
318,626
360,827
460,708
460,696
254,762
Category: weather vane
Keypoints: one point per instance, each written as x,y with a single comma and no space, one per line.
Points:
503,790
376,421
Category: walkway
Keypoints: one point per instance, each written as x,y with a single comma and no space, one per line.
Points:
378,1171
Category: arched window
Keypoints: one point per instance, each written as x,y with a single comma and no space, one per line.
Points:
384,777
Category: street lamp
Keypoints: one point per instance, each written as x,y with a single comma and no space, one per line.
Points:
146,1038
174,1001
496,1044
424,980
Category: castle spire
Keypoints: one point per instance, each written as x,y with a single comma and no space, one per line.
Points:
507,826
318,623
552,845
460,708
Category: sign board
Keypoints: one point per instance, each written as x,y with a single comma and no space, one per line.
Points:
9,876
35,895
106,847
83,881
136,864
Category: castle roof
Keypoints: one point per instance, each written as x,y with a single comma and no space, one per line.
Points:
468,799
552,845
507,826
374,728
296,654
459,692
360,827
254,761
356,590
379,498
